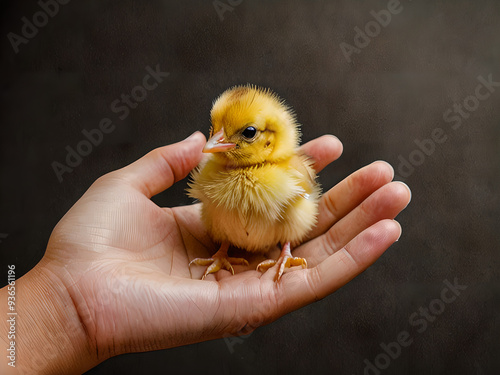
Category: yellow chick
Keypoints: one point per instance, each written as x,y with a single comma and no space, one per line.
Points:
256,188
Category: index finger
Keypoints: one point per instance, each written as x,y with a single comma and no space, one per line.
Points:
323,150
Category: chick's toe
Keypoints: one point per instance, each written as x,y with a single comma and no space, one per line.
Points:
219,260
286,260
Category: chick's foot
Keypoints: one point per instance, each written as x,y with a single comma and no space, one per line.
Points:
286,260
219,260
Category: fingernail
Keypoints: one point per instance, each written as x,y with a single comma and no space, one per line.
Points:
192,136
333,136
409,190
400,230
387,165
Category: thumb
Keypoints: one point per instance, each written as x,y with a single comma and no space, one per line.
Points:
161,168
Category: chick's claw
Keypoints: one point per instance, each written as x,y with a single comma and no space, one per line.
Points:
218,261
215,264
286,260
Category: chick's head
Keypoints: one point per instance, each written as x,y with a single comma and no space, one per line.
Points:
250,126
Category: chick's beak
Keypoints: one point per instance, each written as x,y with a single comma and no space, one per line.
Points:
217,144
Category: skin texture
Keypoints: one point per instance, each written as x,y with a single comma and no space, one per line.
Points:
115,276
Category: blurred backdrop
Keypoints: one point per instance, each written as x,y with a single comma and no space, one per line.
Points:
416,83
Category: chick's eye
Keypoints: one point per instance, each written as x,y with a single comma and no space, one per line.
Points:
249,132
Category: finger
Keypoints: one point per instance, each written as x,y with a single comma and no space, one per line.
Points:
323,150
386,203
349,193
303,287
162,167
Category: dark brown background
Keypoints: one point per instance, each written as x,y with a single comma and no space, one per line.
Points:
394,91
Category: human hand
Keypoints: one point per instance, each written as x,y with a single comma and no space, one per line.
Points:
123,262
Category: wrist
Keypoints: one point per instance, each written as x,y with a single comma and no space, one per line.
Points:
49,337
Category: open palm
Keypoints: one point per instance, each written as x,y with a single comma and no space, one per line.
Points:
124,261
